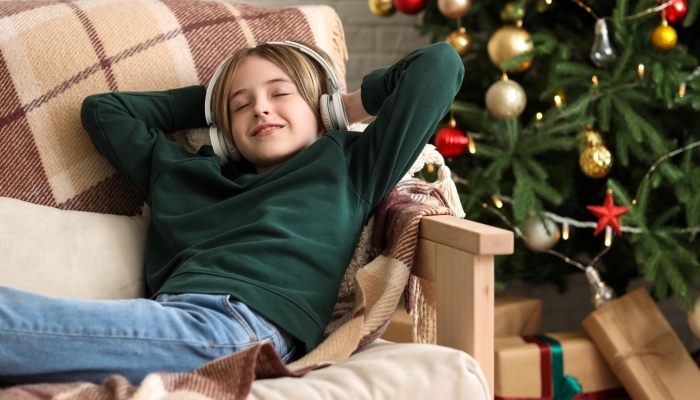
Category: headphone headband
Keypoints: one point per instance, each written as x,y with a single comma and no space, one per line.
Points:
332,109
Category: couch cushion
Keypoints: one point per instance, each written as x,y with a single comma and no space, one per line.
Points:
53,54
71,253
384,370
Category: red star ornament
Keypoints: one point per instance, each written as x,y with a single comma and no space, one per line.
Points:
607,215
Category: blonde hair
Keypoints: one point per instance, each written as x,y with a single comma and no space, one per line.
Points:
309,77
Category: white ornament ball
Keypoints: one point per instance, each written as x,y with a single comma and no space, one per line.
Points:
538,239
694,318
506,99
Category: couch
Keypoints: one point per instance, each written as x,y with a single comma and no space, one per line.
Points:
71,226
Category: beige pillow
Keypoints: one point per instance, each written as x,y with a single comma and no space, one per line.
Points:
71,253
385,371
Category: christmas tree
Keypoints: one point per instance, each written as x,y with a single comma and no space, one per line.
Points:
562,103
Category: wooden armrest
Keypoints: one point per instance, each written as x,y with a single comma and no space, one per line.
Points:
457,255
470,236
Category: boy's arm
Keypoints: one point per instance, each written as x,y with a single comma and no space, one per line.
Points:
409,99
127,129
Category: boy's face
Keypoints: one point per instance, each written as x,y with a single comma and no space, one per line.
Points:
263,95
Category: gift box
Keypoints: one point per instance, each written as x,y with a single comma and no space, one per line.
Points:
552,366
513,315
643,350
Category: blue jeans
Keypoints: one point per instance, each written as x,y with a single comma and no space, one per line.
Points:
50,339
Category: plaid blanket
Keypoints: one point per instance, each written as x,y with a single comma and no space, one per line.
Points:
54,53
378,286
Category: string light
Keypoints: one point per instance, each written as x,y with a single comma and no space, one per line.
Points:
471,145
681,90
640,71
629,17
548,1
497,201
608,236
557,101
431,168
595,80
586,224
539,116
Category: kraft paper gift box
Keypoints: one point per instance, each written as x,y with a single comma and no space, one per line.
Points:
643,350
516,315
513,315
553,366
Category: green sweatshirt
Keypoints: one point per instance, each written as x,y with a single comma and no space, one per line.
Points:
278,241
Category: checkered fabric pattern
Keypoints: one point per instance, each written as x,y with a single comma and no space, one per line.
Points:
53,54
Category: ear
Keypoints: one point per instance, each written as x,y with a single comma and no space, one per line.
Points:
320,128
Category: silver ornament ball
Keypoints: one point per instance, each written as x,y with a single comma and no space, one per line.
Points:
540,238
506,99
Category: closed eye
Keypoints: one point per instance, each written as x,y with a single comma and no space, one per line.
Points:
280,94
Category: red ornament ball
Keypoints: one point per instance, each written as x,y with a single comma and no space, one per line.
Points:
410,6
451,142
676,10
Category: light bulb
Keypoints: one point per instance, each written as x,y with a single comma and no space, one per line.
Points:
608,236
565,230
497,201
602,52
557,101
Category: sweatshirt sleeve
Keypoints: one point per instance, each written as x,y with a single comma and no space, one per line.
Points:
409,99
127,129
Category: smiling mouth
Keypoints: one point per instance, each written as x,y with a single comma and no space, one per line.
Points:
268,131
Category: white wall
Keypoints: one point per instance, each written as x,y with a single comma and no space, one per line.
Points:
372,42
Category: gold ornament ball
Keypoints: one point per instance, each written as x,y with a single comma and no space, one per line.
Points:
588,138
595,161
506,99
694,318
461,41
454,8
664,37
507,42
382,8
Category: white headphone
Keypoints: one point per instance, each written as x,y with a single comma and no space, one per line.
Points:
332,109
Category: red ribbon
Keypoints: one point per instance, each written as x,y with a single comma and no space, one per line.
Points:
546,379
545,365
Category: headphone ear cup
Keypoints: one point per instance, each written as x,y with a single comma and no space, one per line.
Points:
340,117
326,118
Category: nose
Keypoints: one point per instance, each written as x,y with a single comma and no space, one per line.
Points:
261,108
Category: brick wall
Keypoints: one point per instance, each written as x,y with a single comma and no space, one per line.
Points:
372,42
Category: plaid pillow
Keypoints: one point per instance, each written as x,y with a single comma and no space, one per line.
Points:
54,54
